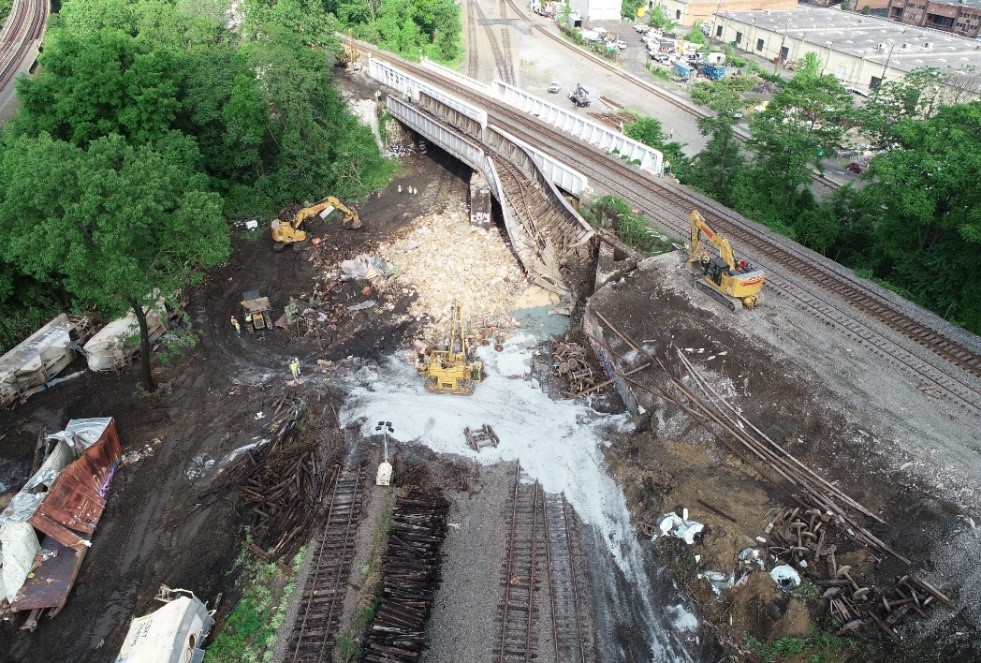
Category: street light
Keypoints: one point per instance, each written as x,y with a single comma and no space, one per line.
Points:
885,67
384,475
829,44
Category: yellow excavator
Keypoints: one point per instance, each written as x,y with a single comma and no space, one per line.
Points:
452,371
734,283
293,231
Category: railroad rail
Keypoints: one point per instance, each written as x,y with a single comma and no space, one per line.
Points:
315,630
25,24
472,61
834,296
502,57
570,624
521,578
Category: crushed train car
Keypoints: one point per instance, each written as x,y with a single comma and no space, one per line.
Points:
46,529
173,633
40,357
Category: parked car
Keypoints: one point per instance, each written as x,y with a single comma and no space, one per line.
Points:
554,87
663,58
642,28
856,167
621,44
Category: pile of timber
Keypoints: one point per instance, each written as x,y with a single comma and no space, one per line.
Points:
283,483
412,576
809,535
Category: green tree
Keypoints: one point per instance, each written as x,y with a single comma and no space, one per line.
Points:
648,131
925,218
695,35
804,121
919,95
717,168
628,8
111,224
660,20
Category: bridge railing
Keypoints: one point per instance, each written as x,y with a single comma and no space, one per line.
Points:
594,133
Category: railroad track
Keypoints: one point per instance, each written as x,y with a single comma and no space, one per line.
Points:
521,578
502,58
818,284
24,25
472,61
315,630
570,624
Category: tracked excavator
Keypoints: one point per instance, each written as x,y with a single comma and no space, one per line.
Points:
452,371
293,231
734,283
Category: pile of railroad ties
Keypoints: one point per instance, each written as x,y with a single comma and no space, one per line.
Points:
806,538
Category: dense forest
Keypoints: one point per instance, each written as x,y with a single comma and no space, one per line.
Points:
150,126
913,221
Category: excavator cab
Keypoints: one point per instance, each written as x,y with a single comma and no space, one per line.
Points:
735,284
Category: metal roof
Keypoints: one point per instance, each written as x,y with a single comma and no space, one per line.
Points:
906,47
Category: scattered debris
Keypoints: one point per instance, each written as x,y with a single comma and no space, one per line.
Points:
679,527
785,576
283,482
480,439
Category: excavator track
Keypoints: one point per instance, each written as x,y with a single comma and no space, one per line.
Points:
730,302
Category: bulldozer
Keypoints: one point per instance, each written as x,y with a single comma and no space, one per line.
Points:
733,283
255,309
293,231
452,371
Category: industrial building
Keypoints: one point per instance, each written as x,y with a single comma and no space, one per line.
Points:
861,51
688,12
597,10
962,17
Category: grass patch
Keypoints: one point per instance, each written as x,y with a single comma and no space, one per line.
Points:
819,647
249,633
630,227
369,596
805,591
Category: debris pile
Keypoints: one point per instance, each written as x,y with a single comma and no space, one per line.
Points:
480,270
412,563
481,438
573,368
806,538
283,483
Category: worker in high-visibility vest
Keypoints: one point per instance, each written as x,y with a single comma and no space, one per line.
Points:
238,327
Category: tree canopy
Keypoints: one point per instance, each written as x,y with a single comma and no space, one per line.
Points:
914,225
149,123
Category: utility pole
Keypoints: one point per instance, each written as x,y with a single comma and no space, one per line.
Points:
885,68
783,40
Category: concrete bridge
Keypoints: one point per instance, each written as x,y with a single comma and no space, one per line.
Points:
551,239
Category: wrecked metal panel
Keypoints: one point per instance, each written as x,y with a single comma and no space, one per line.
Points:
76,499
53,579
81,434
20,546
40,357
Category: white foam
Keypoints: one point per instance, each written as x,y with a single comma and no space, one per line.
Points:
557,443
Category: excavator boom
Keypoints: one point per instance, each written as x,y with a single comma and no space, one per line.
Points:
293,231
